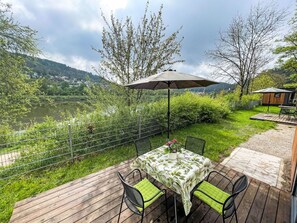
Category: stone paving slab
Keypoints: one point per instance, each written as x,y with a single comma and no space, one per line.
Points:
255,164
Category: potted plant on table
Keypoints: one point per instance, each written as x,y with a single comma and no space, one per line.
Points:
172,149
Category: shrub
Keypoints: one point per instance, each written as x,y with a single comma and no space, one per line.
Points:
189,108
247,101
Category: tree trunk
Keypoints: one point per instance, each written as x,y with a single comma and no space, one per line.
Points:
241,93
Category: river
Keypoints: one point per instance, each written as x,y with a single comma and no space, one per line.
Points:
57,110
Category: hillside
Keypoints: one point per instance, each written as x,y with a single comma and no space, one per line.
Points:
58,71
59,79
216,88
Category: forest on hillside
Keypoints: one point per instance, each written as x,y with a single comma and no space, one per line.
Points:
59,79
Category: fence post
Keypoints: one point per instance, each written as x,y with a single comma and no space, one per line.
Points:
70,141
139,126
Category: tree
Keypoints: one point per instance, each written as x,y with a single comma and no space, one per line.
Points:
267,79
244,48
288,53
132,52
17,90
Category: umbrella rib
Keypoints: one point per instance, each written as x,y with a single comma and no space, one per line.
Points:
155,85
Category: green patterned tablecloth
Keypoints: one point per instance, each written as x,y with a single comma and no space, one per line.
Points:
181,174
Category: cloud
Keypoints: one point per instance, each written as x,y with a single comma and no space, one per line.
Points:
70,28
72,61
201,69
22,11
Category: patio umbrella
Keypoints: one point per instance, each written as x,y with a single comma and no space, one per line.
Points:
271,90
170,79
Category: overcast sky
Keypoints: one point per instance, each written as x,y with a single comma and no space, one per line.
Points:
68,29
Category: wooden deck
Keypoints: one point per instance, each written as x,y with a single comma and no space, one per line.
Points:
284,119
96,198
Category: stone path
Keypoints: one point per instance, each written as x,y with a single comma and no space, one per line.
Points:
258,165
265,156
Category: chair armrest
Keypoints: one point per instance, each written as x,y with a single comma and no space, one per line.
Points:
155,195
224,176
135,170
214,171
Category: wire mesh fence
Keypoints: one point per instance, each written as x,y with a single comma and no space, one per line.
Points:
32,150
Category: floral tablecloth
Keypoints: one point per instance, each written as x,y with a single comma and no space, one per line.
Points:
181,174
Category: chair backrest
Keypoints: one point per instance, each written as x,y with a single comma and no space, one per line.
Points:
229,205
132,195
195,145
143,146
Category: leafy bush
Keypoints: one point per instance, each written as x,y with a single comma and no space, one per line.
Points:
246,102
189,108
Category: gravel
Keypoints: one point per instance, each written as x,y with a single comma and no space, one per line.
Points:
277,142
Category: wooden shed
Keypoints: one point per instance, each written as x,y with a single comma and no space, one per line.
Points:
276,98
279,98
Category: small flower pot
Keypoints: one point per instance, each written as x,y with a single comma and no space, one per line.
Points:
172,156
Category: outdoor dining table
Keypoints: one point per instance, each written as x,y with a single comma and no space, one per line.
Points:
181,175
287,110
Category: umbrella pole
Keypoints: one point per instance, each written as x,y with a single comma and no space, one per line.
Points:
268,103
168,112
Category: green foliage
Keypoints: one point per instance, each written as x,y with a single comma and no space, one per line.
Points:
235,103
189,108
5,135
293,81
220,138
288,52
47,143
267,79
291,85
130,52
54,70
63,88
17,91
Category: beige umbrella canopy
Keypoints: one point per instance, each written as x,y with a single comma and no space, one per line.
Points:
170,79
173,79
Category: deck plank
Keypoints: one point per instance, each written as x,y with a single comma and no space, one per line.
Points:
247,200
269,214
283,119
55,203
284,207
97,198
256,211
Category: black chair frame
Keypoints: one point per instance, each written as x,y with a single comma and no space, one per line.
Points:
138,145
195,138
132,203
229,206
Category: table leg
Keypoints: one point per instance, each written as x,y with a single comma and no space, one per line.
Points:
175,211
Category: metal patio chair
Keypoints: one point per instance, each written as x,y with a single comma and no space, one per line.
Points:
221,201
141,195
143,146
195,145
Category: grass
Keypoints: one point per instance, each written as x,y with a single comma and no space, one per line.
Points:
220,138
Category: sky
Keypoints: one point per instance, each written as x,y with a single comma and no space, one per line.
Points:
69,29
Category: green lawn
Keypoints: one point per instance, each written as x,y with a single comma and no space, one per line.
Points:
220,138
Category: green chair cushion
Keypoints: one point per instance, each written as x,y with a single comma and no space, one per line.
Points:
213,192
147,190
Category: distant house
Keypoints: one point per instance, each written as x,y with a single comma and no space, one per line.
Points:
280,98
